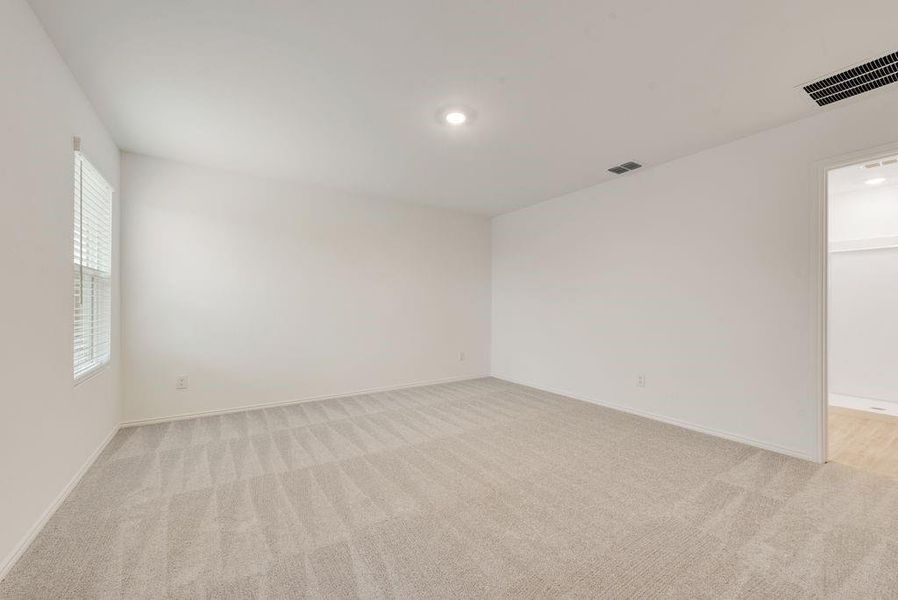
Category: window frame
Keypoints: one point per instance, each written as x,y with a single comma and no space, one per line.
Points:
100,244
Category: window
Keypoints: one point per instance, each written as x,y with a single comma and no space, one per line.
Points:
93,268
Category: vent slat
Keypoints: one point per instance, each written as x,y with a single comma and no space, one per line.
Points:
857,80
624,168
858,90
854,72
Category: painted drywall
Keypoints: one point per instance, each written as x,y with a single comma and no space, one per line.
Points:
701,274
863,296
262,291
48,427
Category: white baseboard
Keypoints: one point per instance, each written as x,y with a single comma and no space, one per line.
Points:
670,421
224,411
23,545
874,406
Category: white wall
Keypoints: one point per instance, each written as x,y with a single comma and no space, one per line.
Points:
863,214
48,428
863,296
701,273
263,291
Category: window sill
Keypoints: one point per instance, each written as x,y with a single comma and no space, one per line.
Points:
94,372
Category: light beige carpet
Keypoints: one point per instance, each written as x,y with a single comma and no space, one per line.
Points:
479,489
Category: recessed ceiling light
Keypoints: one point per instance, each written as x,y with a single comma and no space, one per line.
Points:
875,181
456,117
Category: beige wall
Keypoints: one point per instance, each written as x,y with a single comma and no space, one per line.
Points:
48,427
701,274
264,291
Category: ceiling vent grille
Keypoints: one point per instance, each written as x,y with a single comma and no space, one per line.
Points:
852,82
627,166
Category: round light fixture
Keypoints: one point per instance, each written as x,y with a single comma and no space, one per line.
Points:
875,181
455,117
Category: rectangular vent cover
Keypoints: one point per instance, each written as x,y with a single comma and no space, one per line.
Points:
627,166
852,82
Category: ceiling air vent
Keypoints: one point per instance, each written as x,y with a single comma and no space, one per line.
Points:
852,82
627,166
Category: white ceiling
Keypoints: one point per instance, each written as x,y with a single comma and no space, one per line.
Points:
344,94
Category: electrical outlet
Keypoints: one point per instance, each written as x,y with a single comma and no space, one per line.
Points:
640,381
182,382
461,357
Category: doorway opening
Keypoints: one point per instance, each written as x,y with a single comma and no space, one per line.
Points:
862,314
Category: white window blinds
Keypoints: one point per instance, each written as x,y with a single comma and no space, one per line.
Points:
93,268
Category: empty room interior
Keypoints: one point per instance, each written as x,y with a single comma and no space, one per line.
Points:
469,299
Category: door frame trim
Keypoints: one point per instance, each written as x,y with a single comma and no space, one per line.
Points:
821,243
